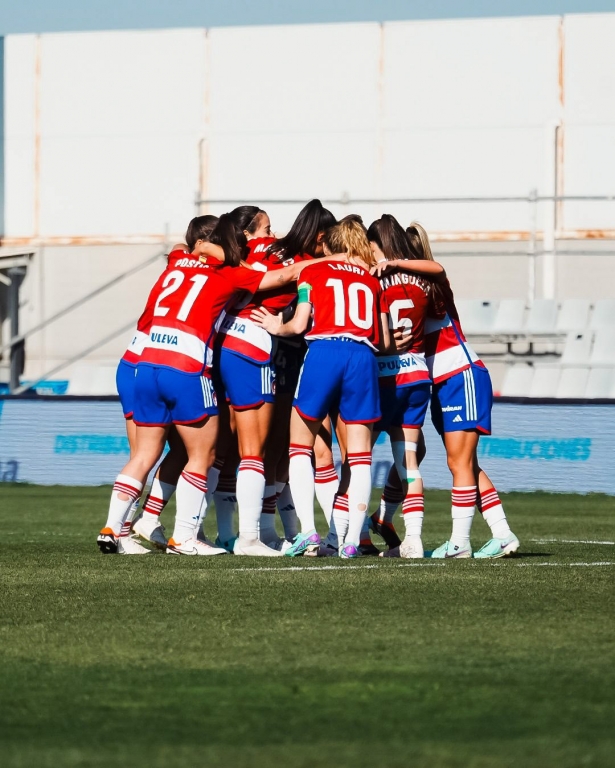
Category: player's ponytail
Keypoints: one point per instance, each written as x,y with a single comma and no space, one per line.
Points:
200,228
246,217
349,237
231,239
419,241
389,236
303,236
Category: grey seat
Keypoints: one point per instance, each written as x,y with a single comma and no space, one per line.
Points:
573,315
577,349
600,383
573,382
510,317
603,316
518,380
542,317
476,315
603,352
545,381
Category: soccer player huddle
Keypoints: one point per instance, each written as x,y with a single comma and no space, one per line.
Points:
252,351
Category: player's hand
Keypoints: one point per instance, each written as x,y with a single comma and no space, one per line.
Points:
403,341
266,320
382,267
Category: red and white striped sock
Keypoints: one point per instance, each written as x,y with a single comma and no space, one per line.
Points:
339,521
225,500
462,511
267,530
359,492
157,499
130,489
190,500
414,511
493,513
327,483
250,493
301,477
288,513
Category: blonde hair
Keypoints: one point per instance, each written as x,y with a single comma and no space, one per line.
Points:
419,241
349,236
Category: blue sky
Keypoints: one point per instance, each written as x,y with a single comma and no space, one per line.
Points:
67,15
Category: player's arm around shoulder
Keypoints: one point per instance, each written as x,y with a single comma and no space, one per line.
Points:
431,269
298,324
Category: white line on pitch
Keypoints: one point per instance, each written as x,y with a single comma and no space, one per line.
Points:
570,541
414,565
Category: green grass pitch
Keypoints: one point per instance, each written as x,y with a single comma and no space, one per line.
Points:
168,661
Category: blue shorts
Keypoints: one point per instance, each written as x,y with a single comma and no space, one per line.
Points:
167,396
404,406
339,373
247,384
288,359
125,383
463,402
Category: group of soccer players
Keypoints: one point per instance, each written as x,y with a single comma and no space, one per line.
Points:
252,351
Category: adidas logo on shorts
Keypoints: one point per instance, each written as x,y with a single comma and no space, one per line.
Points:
457,418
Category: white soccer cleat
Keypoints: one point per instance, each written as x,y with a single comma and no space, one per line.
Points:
150,530
107,541
129,546
254,548
411,548
193,547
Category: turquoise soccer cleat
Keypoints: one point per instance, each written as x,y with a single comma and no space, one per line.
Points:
304,543
349,551
498,547
448,551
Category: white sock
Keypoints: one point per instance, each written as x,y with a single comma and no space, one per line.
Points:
301,476
213,475
288,513
225,500
494,515
190,500
389,501
462,511
250,492
157,499
414,511
326,485
339,521
119,508
267,530
359,492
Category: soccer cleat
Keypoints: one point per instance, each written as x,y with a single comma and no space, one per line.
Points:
151,531
228,545
126,545
254,548
393,552
368,548
349,551
326,549
499,547
193,547
385,530
448,551
281,545
411,548
107,541
304,543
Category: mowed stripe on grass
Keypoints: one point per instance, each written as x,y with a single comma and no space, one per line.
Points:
158,661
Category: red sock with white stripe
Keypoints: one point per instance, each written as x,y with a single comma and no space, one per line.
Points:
414,511
225,500
359,492
493,513
190,500
462,511
267,531
157,499
126,490
301,477
250,493
327,483
389,501
288,513
339,521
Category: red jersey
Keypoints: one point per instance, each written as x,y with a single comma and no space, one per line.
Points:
446,349
139,339
345,301
405,298
241,335
188,302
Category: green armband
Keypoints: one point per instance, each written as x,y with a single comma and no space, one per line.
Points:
303,293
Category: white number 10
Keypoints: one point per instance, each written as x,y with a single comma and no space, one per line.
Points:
354,289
